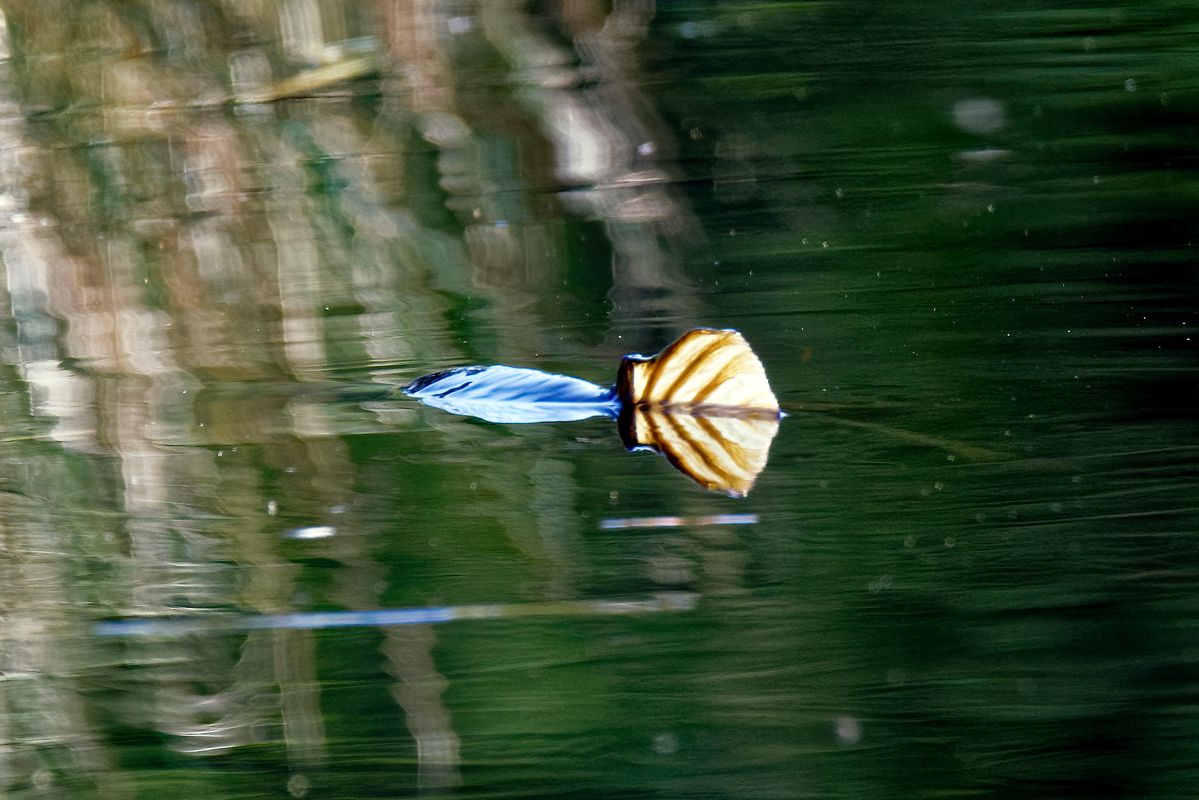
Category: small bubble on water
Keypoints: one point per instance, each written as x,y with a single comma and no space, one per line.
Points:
978,115
272,508
41,779
459,24
847,729
1130,85
665,744
298,785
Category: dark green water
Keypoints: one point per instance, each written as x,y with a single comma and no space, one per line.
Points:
960,240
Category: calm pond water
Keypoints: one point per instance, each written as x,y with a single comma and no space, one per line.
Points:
234,563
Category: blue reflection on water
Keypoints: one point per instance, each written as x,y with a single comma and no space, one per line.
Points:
513,394
180,626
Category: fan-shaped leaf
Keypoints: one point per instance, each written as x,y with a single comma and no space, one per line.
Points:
713,370
704,402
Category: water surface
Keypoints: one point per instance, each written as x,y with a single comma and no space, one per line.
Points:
961,245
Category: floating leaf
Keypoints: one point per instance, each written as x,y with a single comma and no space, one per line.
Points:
703,402
512,394
704,369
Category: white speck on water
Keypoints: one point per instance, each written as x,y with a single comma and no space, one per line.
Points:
847,729
978,115
665,744
1130,85
460,24
298,785
272,508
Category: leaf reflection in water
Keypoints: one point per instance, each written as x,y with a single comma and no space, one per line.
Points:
704,403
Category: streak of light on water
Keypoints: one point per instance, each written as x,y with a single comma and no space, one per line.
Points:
179,626
619,523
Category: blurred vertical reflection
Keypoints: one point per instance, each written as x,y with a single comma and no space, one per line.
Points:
205,208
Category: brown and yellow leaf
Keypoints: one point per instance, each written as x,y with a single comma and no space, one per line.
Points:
703,368
704,402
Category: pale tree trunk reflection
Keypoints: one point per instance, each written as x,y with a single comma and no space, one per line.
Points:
170,253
